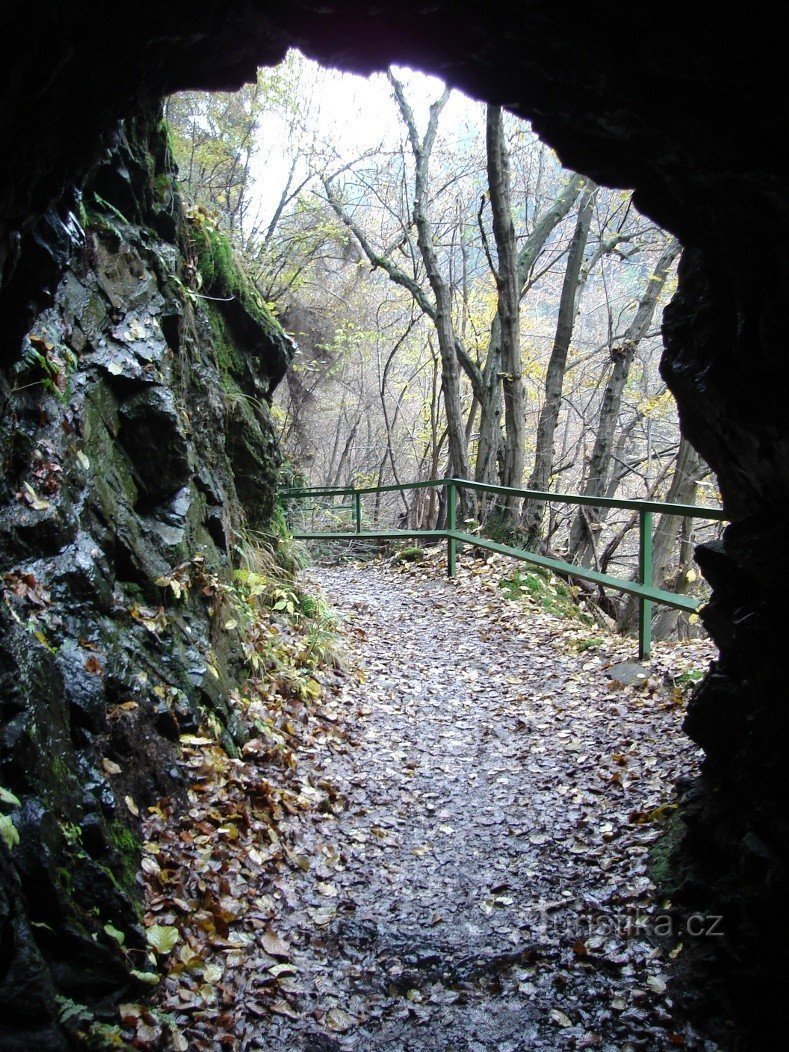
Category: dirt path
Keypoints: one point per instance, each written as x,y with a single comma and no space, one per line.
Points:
485,886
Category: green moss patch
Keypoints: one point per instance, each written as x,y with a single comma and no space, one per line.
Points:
129,852
223,275
553,595
663,854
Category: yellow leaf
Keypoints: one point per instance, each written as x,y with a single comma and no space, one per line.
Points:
212,973
8,832
162,937
338,1020
151,978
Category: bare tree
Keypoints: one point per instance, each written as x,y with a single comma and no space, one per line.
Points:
491,377
600,469
445,330
508,289
532,515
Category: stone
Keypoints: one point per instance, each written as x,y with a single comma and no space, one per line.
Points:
628,674
28,1010
152,436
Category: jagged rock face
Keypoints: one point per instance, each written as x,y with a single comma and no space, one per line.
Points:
685,103
129,449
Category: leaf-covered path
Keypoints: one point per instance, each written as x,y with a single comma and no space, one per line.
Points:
485,885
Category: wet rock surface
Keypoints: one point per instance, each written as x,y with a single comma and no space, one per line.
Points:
486,883
117,468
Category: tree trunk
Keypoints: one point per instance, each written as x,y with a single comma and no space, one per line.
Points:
508,307
582,539
533,511
491,400
445,331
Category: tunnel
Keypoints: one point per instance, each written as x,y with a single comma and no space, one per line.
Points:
685,104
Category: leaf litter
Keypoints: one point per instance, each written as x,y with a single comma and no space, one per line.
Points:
451,850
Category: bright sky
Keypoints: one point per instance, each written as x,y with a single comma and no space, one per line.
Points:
348,115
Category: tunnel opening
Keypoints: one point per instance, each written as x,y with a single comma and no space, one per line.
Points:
722,194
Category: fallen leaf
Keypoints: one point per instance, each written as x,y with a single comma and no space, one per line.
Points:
149,978
115,934
283,1008
162,937
338,1020
273,945
560,1018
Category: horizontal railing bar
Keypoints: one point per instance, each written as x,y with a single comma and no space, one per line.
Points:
384,535
685,510
322,507
331,491
656,595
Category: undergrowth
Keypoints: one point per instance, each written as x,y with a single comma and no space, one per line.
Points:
238,803
285,634
547,591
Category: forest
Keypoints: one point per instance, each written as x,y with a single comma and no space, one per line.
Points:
462,305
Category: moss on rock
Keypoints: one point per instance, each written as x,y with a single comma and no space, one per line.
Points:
129,851
222,273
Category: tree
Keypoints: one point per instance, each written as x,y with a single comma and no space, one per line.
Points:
599,472
491,378
508,288
494,374
668,571
445,330
533,511
214,138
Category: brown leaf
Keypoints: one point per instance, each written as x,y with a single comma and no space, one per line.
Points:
273,945
281,1007
338,1020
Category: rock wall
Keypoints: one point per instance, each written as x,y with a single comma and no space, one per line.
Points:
137,449
687,104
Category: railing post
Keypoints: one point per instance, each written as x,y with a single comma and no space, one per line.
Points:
645,575
451,523
357,510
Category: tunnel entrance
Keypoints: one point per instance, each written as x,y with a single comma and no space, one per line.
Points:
692,128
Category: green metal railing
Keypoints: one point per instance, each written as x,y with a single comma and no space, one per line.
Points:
643,589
